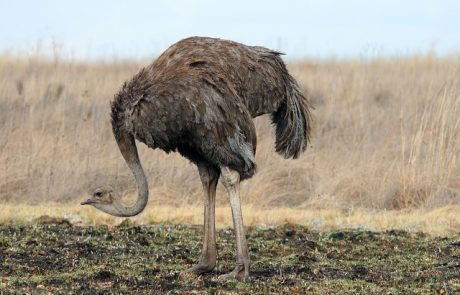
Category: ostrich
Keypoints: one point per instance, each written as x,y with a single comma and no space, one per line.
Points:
199,98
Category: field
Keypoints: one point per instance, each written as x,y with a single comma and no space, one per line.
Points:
385,137
53,256
373,205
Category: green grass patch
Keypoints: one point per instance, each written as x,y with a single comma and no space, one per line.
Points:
54,256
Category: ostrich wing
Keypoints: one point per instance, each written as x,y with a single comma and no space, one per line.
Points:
199,117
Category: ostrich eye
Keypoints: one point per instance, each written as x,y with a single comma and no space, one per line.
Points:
98,194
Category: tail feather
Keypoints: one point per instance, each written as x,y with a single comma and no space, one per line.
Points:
293,122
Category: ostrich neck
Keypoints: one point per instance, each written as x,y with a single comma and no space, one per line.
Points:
128,149
123,210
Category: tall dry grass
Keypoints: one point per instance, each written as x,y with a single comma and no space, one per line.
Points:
386,136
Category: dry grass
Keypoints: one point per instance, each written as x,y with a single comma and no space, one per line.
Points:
386,136
441,221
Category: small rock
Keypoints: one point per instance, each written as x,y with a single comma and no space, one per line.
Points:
104,275
45,219
336,235
126,223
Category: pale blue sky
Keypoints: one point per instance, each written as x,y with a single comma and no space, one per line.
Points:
141,29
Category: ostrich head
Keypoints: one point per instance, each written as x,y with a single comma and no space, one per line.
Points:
104,199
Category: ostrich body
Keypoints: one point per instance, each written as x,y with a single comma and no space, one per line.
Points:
199,98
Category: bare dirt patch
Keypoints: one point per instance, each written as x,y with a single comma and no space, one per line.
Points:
55,256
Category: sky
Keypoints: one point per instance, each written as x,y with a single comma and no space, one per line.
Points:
91,29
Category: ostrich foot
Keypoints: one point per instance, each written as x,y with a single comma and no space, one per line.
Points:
240,272
200,268
206,264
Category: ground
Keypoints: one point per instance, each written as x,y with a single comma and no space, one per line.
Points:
52,255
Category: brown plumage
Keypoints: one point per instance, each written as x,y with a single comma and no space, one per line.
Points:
199,98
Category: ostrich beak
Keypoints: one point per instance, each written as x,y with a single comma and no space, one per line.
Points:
87,202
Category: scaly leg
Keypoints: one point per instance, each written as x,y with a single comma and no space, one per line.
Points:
231,181
209,177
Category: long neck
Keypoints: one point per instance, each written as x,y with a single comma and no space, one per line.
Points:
128,149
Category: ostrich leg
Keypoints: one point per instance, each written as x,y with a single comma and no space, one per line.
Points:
209,177
231,181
